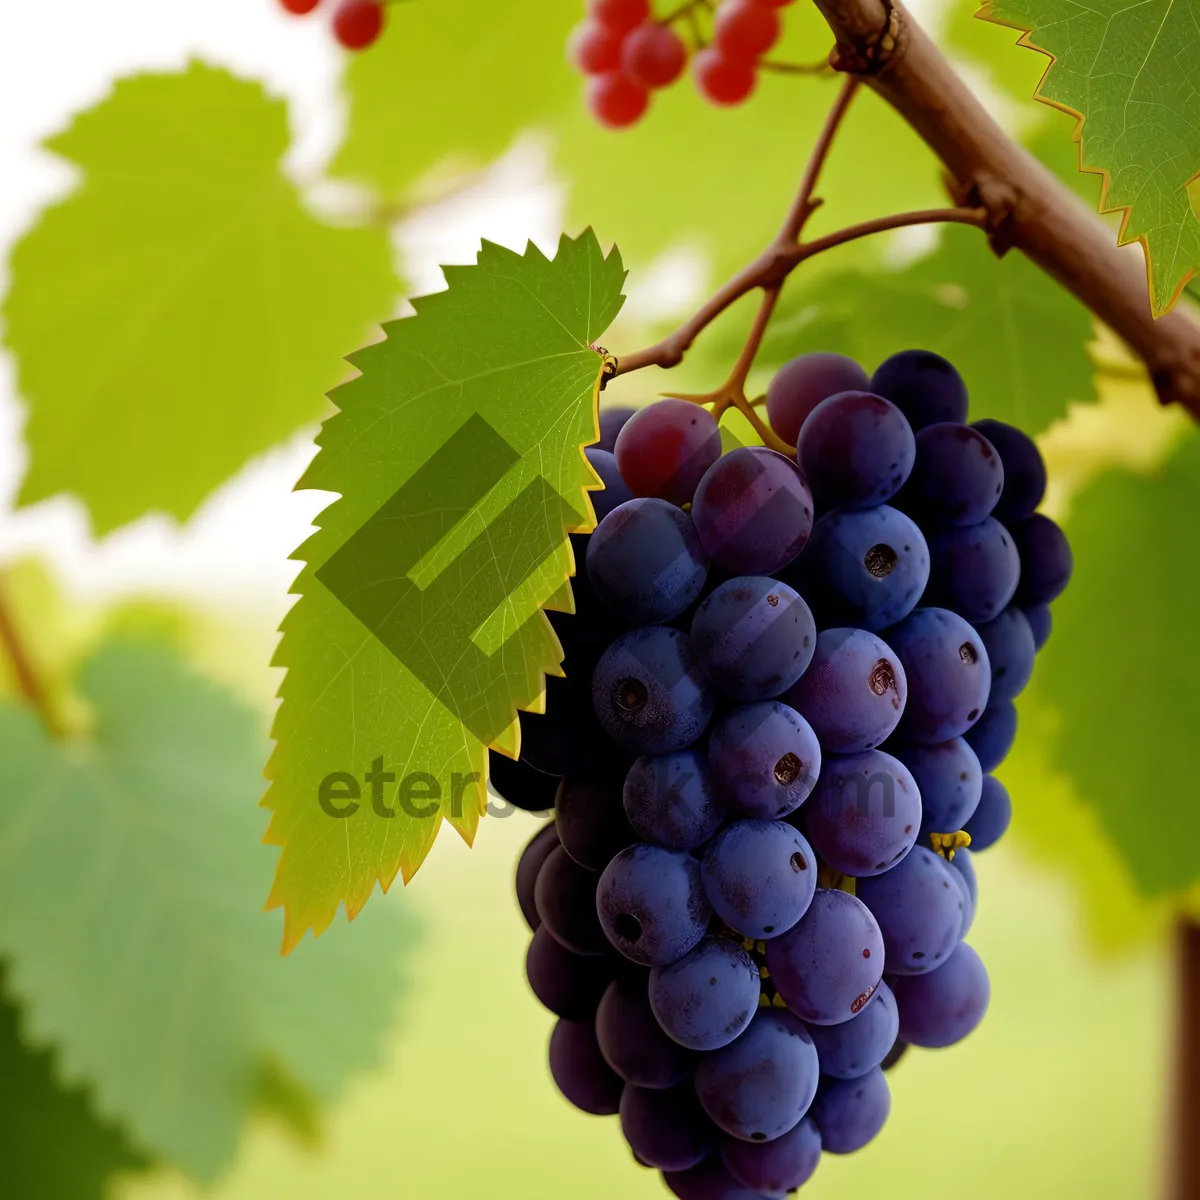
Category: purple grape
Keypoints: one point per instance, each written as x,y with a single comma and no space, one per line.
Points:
612,421
964,870
753,511
773,1168
828,965
973,570
802,383
651,904
645,561
580,1071
854,691
895,1054
864,815
950,780
941,1008
566,901
665,448
1011,650
591,819
632,1041
569,985
540,847
851,1049
518,783
948,675
923,386
765,758
759,877
709,1181
649,692
856,450
666,1129
706,1000
761,1086
993,734
672,799
616,490
754,637
991,819
957,478
919,910
850,1112
1046,560
1040,623
865,569
1024,470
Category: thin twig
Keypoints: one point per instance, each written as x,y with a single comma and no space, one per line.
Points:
786,68
27,677
926,216
683,10
804,205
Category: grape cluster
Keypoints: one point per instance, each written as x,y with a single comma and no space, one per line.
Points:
357,24
788,680
627,54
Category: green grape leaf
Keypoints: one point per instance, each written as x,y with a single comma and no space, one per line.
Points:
1121,665
419,631
131,880
1128,73
181,310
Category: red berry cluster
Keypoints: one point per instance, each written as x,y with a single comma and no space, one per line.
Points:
627,54
357,24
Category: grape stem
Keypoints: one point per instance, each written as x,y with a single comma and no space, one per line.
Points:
28,680
1185,1102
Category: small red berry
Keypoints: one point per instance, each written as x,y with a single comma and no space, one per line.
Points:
653,55
358,23
299,7
723,80
615,100
743,29
619,15
594,49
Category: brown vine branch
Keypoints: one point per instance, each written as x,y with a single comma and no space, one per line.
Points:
27,677
1185,1099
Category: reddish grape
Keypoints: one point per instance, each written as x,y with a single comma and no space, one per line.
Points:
745,30
665,448
653,56
358,23
722,80
615,100
594,49
299,7
619,15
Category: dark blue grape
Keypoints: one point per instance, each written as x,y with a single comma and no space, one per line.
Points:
856,450
1011,650
773,1168
568,984
941,1008
541,846
973,570
993,734
854,691
1040,623
828,965
580,1071
992,818
705,1000
850,1112
950,780
665,448
754,637
753,511
616,490
851,1049
1046,560
612,421
521,784
760,877
709,1181
895,1054
760,1086
957,478
949,676
919,909
802,383
923,386
666,1129
649,692
566,901
591,819
672,799
651,904
1024,470
632,1041
964,868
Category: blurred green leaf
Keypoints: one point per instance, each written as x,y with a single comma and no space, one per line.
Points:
181,310
131,877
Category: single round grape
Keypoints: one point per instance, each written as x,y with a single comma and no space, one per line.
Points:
616,490
992,736
518,783
568,984
948,673
863,569
708,1181
802,383
773,1168
565,895
941,1008
672,800
633,1042
957,477
950,781
706,999
653,55
665,448
760,877
864,816
666,1129
1040,623
1024,470
964,869
856,450
753,511
990,821
612,421
857,1046
754,637
919,910
591,820
652,905
828,965
760,1086
1011,651
619,15
745,30
300,7
358,23
593,49
615,100
1046,560
923,386
766,759
850,1112
722,80
649,692
973,570
854,691
540,847
580,1071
